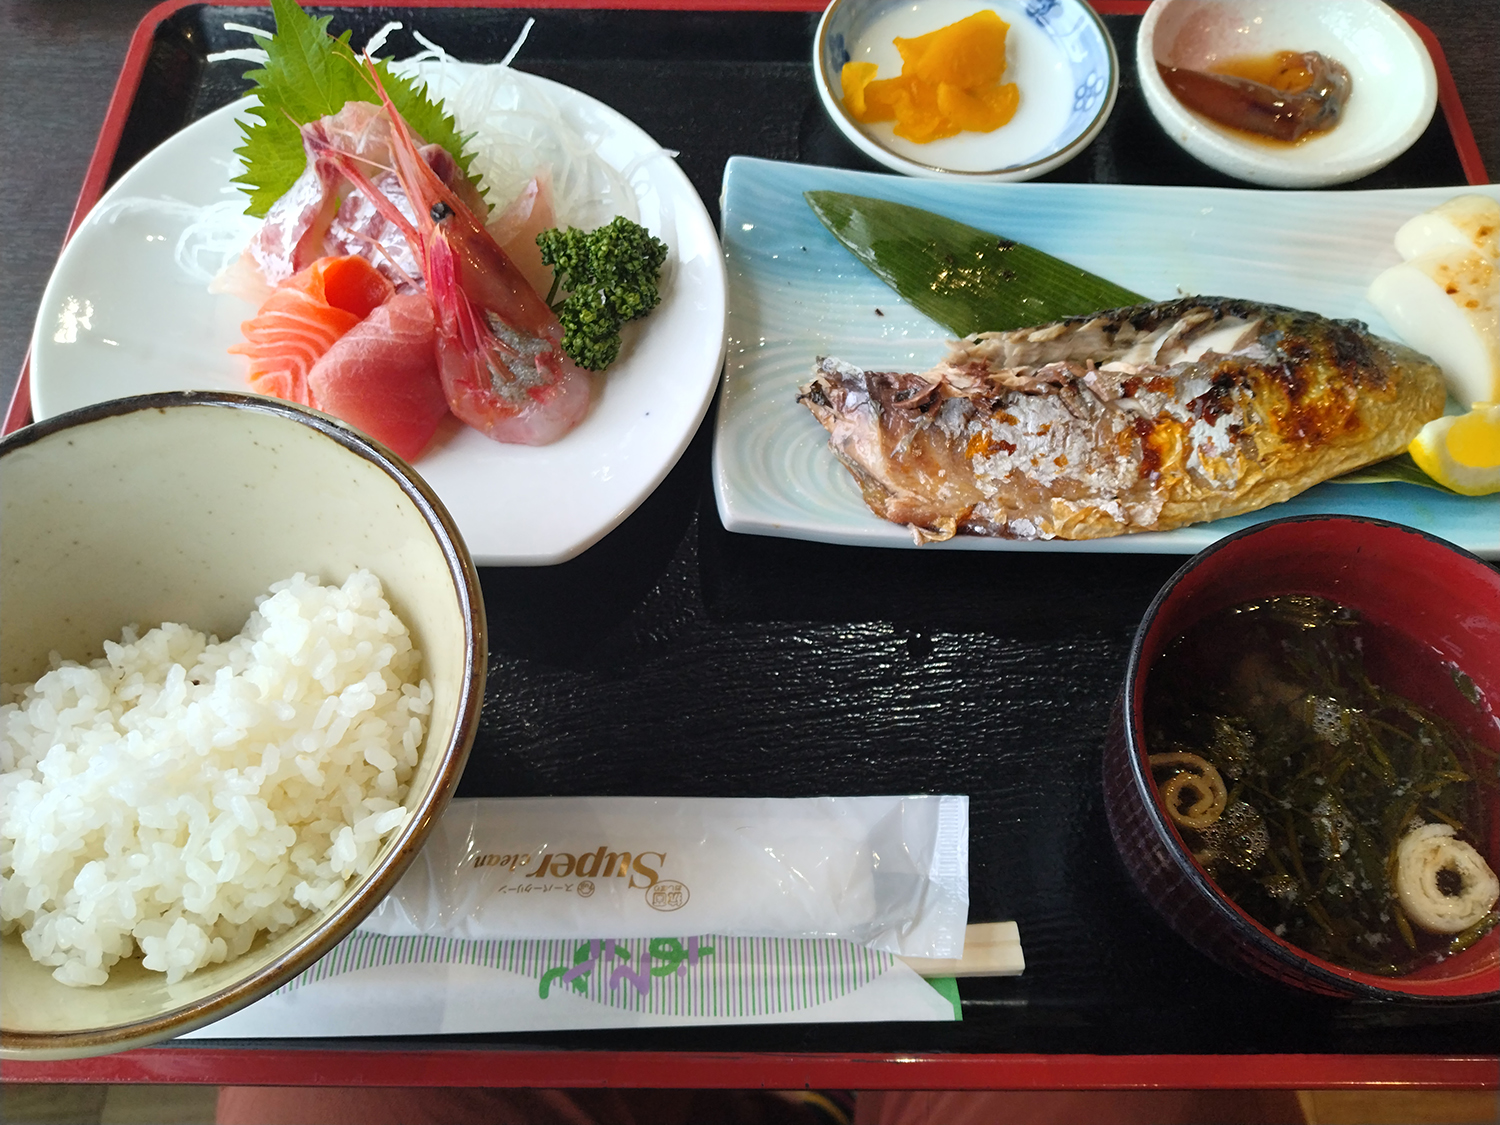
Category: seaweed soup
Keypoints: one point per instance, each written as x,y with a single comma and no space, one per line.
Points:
1297,745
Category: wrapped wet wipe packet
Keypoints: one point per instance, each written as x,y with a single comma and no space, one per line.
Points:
889,873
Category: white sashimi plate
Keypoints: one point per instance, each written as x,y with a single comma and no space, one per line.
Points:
796,294
120,317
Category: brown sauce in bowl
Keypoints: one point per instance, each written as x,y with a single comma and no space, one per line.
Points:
1283,97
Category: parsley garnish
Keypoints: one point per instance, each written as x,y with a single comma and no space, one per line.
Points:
309,75
610,276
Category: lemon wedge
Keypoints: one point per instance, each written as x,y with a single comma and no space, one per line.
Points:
1462,451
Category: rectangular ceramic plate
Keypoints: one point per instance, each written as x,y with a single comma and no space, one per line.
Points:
796,294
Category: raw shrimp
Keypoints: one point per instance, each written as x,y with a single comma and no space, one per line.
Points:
499,344
316,218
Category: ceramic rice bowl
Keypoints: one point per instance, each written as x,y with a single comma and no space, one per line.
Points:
184,507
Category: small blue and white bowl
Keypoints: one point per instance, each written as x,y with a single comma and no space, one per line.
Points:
1057,52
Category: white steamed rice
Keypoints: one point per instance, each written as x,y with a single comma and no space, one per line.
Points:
182,795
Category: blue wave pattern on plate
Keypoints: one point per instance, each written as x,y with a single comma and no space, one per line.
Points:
796,294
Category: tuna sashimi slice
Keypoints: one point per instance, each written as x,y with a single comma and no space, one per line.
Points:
302,319
382,376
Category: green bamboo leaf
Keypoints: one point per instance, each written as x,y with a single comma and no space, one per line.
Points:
966,279
1401,469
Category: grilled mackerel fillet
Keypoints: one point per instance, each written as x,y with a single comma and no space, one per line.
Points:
1137,419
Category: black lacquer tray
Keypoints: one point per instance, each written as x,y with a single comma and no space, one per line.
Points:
674,658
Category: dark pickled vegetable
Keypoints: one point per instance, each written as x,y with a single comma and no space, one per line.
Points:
1284,96
1324,738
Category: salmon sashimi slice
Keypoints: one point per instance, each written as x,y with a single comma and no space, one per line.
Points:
382,376
303,318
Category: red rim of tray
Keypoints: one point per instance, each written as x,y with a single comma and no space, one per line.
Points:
564,1069
486,1066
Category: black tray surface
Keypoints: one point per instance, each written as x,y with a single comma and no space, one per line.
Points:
705,84
674,658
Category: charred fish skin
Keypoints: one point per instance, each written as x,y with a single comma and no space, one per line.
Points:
1144,418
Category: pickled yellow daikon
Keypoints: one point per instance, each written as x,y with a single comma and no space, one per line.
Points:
949,82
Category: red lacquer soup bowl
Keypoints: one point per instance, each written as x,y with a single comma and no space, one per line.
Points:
1439,596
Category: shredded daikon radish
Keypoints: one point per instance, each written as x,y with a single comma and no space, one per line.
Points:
215,238
377,40
243,54
211,236
519,131
516,130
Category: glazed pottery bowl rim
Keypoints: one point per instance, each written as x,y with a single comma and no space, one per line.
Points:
450,753
829,94
1347,982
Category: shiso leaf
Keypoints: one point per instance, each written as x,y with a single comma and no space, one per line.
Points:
309,74
966,279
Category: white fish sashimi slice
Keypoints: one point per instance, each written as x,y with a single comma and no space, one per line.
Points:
516,228
1446,303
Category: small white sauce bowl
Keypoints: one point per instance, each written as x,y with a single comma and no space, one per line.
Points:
1394,90
1057,52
